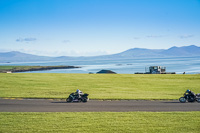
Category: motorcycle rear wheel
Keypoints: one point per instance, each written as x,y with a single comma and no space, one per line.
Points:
182,99
69,100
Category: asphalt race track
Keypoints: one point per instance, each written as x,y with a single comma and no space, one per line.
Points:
44,105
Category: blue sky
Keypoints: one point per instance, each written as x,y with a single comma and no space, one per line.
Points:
96,27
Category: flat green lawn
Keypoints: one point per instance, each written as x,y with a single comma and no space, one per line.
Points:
109,122
99,86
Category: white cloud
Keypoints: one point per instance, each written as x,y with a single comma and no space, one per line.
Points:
186,36
154,36
26,39
66,41
136,38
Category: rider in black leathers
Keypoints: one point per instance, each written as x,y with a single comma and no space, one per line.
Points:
190,93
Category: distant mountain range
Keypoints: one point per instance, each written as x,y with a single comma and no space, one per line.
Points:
186,51
191,50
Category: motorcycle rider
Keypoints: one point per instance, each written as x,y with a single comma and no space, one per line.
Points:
190,93
78,93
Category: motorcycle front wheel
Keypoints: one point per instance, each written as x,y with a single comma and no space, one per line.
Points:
85,100
182,99
198,100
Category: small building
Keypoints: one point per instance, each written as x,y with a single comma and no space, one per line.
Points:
156,70
9,72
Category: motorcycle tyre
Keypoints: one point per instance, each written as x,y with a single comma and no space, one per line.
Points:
182,101
69,100
198,100
85,100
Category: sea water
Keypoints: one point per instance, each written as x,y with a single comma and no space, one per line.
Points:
189,65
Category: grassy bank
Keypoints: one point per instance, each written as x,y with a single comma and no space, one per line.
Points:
5,69
162,122
99,86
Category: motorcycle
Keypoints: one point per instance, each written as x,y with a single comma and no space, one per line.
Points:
189,98
75,98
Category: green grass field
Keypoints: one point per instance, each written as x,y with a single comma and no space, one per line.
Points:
109,122
99,86
10,68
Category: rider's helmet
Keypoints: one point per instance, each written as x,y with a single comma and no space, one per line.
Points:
77,90
188,91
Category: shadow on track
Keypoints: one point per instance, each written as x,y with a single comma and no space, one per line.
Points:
60,102
170,102
66,102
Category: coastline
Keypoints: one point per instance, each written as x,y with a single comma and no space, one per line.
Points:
14,69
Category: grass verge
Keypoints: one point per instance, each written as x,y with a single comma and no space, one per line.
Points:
150,122
99,86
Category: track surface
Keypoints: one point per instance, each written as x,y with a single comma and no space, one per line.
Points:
41,105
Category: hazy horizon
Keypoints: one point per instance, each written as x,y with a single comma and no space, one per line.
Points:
94,55
97,27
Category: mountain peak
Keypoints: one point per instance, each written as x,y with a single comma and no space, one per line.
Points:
191,46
